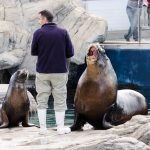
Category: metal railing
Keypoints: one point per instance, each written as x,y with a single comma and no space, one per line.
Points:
139,22
139,26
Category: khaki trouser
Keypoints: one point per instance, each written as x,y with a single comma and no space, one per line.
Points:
55,84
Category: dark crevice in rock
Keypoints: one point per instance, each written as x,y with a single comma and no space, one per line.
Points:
5,75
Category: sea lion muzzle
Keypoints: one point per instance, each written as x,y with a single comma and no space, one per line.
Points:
92,55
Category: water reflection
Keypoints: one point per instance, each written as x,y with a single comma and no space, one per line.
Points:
51,118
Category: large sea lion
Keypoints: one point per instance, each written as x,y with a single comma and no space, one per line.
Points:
96,90
15,107
128,104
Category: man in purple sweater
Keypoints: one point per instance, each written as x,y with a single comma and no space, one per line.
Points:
54,49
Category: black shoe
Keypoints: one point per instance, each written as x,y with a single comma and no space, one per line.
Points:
127,39
136,40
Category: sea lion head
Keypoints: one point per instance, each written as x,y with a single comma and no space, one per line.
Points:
96,55
20,76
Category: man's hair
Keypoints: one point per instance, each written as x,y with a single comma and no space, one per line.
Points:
47,14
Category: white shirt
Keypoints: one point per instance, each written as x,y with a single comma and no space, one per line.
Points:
145,3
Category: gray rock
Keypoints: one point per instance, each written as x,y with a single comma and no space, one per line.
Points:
13,44
82,26
123,137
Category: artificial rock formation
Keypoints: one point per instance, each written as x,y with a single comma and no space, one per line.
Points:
21,17
13,45
133,135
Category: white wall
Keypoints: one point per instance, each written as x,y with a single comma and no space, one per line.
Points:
114,11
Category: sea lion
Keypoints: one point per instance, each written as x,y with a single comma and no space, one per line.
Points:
128,104
96,90
15,107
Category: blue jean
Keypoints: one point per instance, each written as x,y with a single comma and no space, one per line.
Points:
133,19
145,16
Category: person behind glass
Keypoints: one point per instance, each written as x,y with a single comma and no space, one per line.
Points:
148,11
133,11
53,48
144,13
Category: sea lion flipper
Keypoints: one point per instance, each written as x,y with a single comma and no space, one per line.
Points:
25,121
78,122
4,119
106,124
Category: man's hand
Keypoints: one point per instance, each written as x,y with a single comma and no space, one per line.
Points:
68,64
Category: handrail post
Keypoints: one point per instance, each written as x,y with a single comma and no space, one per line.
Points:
139,23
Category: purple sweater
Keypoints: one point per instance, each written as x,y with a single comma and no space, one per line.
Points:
53,46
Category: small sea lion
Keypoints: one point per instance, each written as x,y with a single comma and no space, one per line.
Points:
15,107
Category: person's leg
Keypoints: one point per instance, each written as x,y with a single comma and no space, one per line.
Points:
43,89
148,19
148,12
145,16
135,34
134,28
126,36
59,92
130,15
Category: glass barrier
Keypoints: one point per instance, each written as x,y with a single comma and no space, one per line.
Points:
121,19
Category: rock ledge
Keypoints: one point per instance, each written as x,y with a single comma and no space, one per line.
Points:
135,134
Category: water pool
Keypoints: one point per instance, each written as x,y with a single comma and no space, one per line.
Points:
50,118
